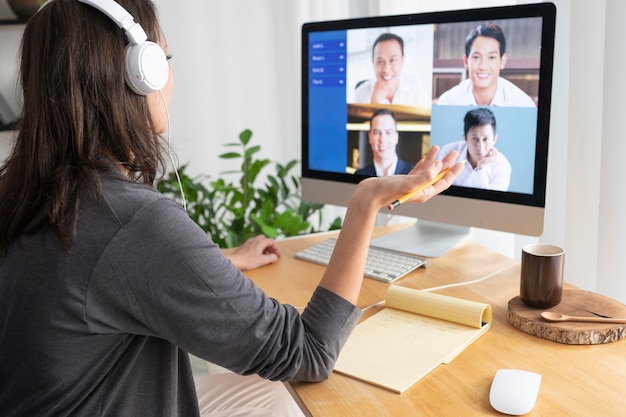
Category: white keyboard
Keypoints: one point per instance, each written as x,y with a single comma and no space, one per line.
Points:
382,264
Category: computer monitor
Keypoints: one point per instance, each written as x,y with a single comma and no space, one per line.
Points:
442,89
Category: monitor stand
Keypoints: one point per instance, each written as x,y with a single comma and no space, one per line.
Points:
424,238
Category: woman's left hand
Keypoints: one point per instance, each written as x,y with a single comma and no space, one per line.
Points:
254,253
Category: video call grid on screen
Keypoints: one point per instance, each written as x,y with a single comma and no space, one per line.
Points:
340,60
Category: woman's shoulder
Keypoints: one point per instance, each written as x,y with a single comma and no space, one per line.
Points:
124,200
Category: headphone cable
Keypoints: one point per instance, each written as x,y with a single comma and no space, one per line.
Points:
170,153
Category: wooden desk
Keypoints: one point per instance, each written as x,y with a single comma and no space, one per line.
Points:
577,380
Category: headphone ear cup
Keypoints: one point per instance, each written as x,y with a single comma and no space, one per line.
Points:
147,69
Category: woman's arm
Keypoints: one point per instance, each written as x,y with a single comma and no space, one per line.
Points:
345,270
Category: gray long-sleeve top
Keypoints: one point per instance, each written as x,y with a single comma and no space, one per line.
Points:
105,330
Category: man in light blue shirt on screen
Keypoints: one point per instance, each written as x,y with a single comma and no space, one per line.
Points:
484,167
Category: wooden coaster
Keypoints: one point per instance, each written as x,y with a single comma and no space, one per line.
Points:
573,303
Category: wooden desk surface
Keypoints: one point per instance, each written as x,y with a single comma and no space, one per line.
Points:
577,380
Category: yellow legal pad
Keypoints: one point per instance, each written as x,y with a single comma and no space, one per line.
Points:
414,334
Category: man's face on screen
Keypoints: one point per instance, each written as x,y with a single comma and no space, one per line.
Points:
383,137
388,60
480,142
485,63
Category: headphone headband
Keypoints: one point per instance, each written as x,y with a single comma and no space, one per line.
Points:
147,69
121,17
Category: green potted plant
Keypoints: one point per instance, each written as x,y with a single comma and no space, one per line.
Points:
251,204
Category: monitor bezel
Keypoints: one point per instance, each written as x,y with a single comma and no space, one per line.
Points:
546,11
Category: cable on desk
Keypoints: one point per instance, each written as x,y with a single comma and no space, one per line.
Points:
456,284
460,284
364,309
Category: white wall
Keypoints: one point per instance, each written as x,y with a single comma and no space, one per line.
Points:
594,223
235,67
603,136
6,141
585,141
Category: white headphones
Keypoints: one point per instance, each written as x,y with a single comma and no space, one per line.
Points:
147,69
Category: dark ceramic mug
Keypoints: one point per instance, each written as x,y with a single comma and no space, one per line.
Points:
541,281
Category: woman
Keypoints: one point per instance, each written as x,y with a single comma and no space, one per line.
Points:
105,284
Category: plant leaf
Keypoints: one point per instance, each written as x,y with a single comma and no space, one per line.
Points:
244,136
251,151
230,155
231,212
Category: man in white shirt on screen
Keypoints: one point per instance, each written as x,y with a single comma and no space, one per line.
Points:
485,56
391,85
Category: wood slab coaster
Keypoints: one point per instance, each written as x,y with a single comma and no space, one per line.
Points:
573,303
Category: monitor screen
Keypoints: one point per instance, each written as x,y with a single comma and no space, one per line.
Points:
378,92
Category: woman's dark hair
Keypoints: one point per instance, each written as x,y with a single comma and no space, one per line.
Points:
79,119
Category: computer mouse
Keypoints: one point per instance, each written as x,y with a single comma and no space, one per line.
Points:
514,391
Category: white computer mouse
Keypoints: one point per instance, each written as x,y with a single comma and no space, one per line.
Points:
514,391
